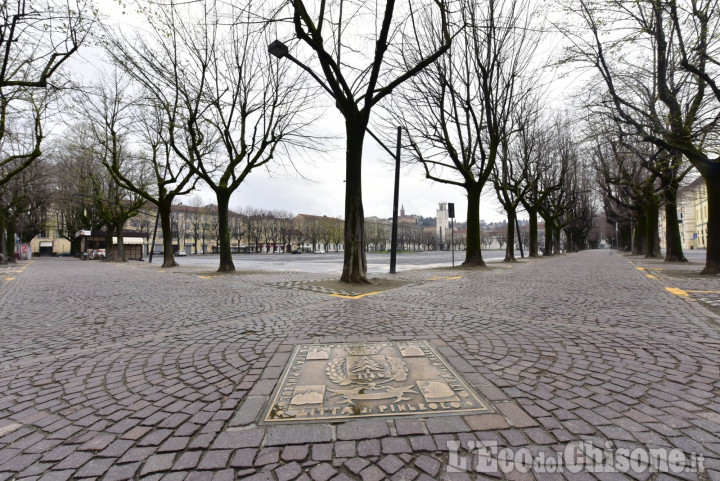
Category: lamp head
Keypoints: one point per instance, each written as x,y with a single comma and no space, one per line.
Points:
278,49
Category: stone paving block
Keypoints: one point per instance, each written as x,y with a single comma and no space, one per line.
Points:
249,438
486,422
295,453
187,461
199,476
372,473
57,475
363,429
175,476
215,459
446,424
57,454
95,468
267,456
405,474
395,445
423,443
405,426
391,464
322,452
224,475
368,447
249,411
345,449
243,458
73,461
302,434
264,387
356,464
493,393
136,454
515,414
539,436
158,463
288,471
322,472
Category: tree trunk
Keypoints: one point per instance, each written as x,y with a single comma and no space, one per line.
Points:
712,256
75,247
556,239
510,245
548,239
3,239
473,254
354,262
639,241
109,248
652,230
624,237
166,227
533,234
568,241
121,246
226,262
673,242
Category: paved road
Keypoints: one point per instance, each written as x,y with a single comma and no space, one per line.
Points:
121,371
332,262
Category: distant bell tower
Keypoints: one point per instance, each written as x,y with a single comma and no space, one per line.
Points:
402,210
441,224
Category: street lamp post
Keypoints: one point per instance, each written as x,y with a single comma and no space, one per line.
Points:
393,245
279,50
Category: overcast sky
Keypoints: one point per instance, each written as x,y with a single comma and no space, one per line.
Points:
322,191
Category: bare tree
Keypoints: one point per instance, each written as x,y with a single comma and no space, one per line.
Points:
230,109
357,53
459,111
675,43
25,205
73,199
169,176
36,39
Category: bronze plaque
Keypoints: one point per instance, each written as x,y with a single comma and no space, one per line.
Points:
345,381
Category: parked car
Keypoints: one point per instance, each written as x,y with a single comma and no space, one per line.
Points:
297,251
181,253
320,251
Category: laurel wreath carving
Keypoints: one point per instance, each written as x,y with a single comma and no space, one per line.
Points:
398,368
335,373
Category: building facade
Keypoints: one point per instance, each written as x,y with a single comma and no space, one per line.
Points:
692,207
442,225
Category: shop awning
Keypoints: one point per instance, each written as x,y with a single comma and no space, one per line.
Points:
130,241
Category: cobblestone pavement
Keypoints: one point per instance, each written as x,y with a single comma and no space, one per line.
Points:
121,371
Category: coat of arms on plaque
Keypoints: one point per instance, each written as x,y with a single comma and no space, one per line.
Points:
340,381
369,373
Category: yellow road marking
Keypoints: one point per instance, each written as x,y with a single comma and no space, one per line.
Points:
650,276
649,269
355,297
677,291
437,278
10,279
